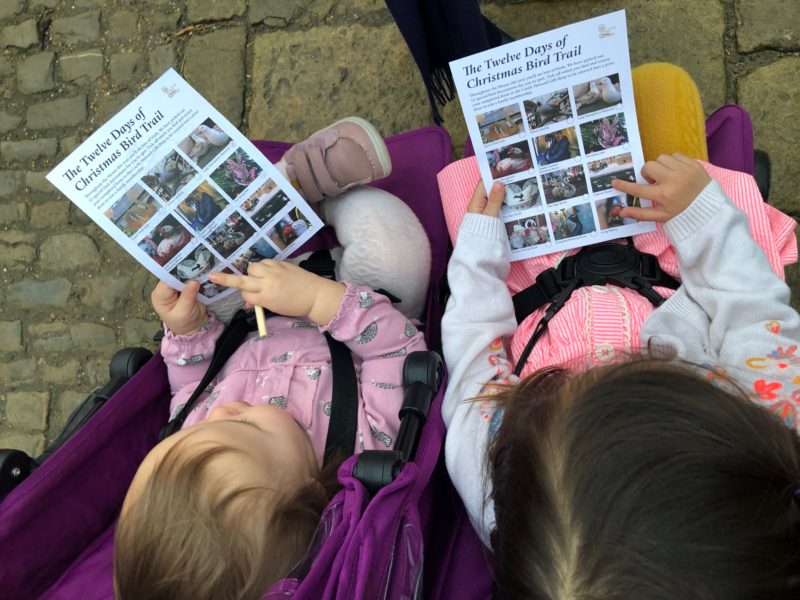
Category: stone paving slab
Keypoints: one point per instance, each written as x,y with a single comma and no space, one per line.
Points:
767,92
302,80
281,69
226,82
768,24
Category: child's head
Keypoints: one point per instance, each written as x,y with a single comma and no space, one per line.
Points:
643,480
221,509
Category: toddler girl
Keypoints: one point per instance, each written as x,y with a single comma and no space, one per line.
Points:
644,479
227,505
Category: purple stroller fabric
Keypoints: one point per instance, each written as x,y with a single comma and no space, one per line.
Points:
56,528
58,524
729,134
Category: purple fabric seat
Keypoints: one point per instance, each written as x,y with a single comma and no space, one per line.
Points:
729,134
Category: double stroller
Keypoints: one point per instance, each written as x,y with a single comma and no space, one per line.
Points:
409,538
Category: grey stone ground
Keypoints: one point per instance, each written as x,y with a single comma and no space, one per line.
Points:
280,69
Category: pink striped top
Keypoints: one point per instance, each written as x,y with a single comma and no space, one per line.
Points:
601,323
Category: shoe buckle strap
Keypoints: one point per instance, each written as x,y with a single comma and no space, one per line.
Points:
299,161
327,185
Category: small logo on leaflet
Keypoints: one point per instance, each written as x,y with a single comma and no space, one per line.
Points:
170,90
605,31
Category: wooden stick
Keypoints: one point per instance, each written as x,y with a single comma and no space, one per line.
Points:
261,321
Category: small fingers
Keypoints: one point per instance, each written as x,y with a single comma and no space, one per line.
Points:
669,161
685,159
654,171
163,294
645,214
250,299
490,206
189,295
240,282
496,195
478,201
633,189
262,268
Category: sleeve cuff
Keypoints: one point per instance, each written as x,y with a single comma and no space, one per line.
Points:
211,324
679,304
192,348
483,226
352,297
698,214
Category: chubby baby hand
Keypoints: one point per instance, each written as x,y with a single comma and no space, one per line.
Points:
286,289
181,312
676,181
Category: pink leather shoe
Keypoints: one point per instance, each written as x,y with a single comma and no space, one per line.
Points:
348,153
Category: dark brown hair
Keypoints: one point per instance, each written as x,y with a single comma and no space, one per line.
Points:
642,480
190,536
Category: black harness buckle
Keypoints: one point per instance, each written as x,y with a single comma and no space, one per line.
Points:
600,264
320,263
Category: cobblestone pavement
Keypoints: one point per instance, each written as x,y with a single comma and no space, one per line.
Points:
280,69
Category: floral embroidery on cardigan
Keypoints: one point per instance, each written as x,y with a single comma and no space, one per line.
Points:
786,411
486,409
773,326
778,388
401,352
279,401
382,385
380,436
283,357
781,358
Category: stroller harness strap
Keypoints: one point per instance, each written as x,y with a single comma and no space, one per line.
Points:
343,425
600,264
229,340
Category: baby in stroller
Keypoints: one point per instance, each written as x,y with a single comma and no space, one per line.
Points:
227,505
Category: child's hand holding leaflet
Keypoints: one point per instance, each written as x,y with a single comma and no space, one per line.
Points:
484,205
180,312
676,180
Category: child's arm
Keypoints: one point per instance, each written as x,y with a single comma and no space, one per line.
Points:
479,313
382,337
368,324
189,335
479,310
365,321
733,310
286,289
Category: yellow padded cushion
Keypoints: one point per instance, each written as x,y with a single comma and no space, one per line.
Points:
669,111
